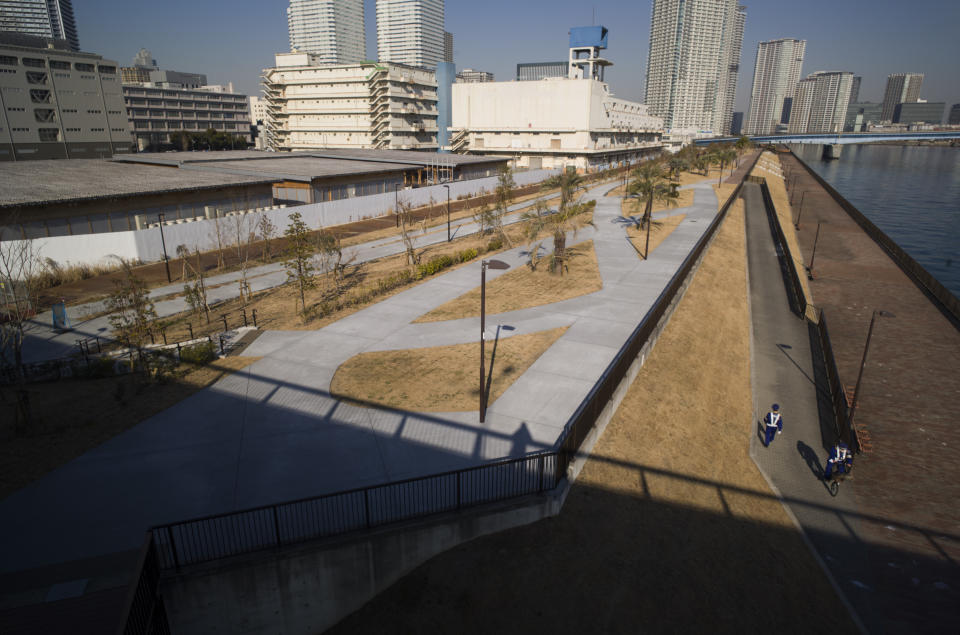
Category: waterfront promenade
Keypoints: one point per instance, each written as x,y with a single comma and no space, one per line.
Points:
909,472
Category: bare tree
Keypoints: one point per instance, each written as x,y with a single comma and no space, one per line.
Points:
246,233
19,291
217,233
331,253
131,311
183,253
504,197
299,257
407,229
196,293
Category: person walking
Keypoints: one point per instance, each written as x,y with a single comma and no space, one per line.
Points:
774,424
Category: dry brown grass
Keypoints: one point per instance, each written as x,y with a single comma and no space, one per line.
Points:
634,207
74,416
659,230
723,192
781,201
643,536
440,378
523,288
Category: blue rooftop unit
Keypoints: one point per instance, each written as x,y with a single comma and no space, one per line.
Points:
588,37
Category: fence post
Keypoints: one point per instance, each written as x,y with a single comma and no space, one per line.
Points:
540,477
458,490
244,317
99,350
151,336
276,524
163,332
224,317
366,506
221,344
254,317
190,328
179,354
173,548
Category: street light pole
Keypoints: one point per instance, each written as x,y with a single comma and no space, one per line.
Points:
813,255
863,363
163,242
803,195
448,211
493,264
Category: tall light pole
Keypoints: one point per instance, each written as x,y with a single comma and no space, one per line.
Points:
813,255
448,211
803,195
493,264
166,261
863,363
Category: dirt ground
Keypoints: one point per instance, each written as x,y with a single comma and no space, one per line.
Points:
670,527
73,416
523,288
633,207
659,230
439,378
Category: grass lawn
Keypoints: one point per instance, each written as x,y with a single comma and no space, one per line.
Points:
670,527
73,416
523,288
439,378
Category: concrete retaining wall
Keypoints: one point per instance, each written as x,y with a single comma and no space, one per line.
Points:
145,244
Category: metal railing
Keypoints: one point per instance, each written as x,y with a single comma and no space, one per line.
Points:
841,409
144,611
798,298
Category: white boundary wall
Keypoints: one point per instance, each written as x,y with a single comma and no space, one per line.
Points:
145,244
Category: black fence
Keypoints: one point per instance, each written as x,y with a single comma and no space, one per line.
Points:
224,535
798,298
841,409
144,611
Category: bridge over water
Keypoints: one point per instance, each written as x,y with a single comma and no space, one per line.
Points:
840,139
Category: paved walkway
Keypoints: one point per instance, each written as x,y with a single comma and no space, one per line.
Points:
890,589
272,432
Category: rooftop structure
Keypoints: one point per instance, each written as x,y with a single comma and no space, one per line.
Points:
693,63
585,62
57,103
410,32
470,75
40,18
312,106
534,71
330,29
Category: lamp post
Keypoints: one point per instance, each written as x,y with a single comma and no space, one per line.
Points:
163,242
813,255
448,211
803,195
493,264
863,363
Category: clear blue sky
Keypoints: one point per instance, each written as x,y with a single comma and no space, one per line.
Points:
232,40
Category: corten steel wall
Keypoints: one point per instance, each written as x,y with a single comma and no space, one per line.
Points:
145,244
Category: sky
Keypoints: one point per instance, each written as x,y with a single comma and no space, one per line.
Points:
233,40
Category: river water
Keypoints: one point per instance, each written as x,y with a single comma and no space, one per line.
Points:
912,193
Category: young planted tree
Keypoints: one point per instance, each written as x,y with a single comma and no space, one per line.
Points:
677,164
131,310
267,230
19,292
407,229
196,293
726,156
183,253
299,257
570,216
742,145
651,182
331,251
504,197
246,234
218,235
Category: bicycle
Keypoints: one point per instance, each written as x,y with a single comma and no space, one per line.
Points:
837,477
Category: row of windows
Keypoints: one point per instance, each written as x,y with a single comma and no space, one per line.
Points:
38,62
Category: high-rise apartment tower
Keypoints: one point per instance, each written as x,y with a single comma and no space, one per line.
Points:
821,102
41,18
855,89
775,77
410,32
332,30
693,62
901,88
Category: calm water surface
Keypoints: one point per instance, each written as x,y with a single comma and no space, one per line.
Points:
911,193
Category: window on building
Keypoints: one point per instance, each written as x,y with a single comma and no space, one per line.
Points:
84,68
141,125
108,70
34,62
45,115
49,134
59,65
8,60
36,78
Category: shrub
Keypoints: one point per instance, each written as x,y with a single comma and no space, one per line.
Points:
467,254
432,266
98,368
495,244
202,353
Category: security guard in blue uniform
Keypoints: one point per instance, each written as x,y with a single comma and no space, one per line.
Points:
840,460
774,424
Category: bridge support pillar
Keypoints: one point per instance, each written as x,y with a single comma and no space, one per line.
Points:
832,151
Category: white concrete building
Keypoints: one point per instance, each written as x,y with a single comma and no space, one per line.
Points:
821,101
775,76
312,106
693,63
58,104
552,123
410,32
330,29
